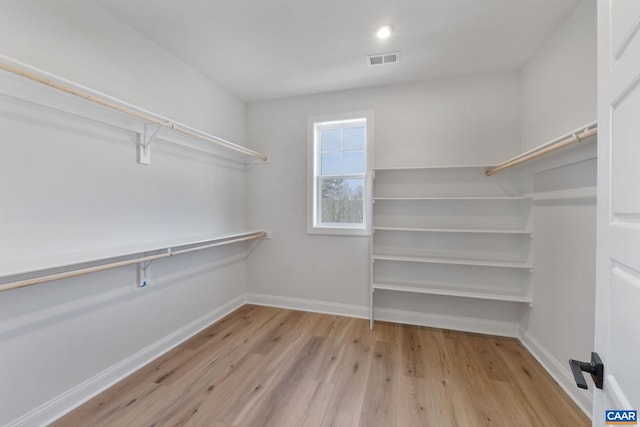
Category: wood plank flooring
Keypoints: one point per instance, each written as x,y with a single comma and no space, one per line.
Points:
263,366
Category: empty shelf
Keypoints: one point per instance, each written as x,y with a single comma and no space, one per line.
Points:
454,261
27,266
514,198
454,230
435,289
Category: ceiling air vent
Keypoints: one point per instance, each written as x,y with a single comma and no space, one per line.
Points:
384,58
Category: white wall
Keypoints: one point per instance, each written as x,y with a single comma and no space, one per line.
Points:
559,95
80,41
459,121
558,83
68,185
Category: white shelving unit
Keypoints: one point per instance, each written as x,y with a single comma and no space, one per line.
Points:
451,231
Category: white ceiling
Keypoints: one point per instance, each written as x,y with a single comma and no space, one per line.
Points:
263,49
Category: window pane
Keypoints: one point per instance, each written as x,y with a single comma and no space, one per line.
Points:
354,138
341,201
330,140
330,163
353,162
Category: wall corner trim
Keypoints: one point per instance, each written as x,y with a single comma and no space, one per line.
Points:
559,372
74,397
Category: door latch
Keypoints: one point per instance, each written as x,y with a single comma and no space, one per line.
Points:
595,368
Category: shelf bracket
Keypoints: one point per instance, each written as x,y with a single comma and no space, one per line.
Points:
144,274
144,143
144,271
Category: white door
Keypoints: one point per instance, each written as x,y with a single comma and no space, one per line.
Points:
618,256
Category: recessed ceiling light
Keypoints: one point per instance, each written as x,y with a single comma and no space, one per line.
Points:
383,32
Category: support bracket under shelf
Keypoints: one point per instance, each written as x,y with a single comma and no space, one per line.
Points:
144,143
144,274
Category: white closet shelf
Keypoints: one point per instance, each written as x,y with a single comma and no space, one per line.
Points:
455,230
454,261
488,198
568,194
147,123
453,291
73,270
27,266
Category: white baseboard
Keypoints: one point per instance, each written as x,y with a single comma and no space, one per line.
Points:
62,404
466,324
314,306
559,372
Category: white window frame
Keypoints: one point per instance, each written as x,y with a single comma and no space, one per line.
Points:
313,174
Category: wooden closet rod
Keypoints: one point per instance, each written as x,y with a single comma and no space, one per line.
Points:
169,252
544,149
47,79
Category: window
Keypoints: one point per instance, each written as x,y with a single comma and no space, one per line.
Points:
339,163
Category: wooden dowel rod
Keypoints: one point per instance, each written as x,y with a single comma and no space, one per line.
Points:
97,268
79,272
542,151
215,140
114,105
76,92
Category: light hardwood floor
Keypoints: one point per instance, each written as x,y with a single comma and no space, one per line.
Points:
264,366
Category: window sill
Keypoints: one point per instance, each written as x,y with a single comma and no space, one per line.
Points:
338,231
